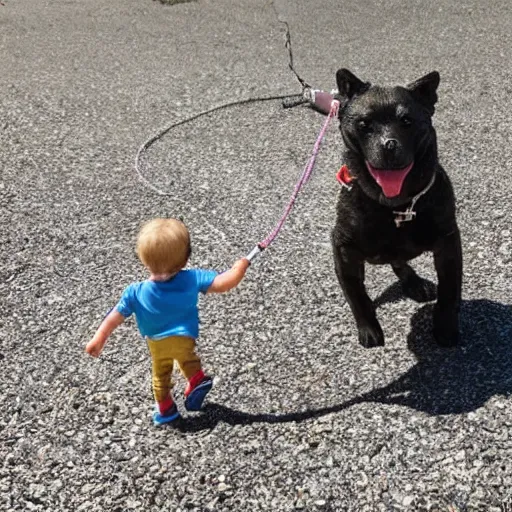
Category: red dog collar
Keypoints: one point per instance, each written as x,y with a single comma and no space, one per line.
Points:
344,177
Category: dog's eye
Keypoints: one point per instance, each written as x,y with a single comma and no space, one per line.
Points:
364,125
406,120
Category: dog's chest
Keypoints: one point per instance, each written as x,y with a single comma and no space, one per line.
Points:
384,242
392,253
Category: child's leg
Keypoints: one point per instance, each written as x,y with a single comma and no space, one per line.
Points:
163,363
187,359
199,384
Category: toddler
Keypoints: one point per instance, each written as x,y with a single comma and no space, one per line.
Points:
165,308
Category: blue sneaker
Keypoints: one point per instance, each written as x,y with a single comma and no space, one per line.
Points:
194,401
169,416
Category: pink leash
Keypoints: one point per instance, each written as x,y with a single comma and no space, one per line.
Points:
303,179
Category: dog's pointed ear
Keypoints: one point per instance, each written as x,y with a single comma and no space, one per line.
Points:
424,89
348,84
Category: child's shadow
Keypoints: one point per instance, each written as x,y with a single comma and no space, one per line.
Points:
443,381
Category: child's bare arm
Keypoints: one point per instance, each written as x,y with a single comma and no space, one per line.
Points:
113,320
231,278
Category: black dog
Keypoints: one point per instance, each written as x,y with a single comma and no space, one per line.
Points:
399,202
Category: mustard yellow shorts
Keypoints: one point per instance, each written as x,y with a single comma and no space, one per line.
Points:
164,353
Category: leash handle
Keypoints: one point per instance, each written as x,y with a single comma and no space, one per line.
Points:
321,100
255,252
294,101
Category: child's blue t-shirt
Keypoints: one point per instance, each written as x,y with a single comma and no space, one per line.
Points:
167,308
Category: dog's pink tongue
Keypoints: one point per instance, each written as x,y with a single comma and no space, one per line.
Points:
390,181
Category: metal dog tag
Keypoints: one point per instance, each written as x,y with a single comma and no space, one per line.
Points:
406,216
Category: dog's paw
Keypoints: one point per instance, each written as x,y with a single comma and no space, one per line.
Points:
371,336
418,289
447,339
446,329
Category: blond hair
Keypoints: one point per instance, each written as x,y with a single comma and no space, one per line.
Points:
163,245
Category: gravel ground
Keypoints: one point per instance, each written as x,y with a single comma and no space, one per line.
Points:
301,416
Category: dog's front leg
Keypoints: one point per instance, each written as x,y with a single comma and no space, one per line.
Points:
448,263
350,271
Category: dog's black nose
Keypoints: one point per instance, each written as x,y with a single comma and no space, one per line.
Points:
391,144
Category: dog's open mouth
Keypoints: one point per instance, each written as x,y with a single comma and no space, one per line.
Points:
390,180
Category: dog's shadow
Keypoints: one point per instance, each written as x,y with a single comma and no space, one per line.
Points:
395,293
443,381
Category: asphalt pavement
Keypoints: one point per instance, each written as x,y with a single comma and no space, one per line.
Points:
301,417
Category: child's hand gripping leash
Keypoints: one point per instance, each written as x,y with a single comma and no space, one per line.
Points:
319,100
